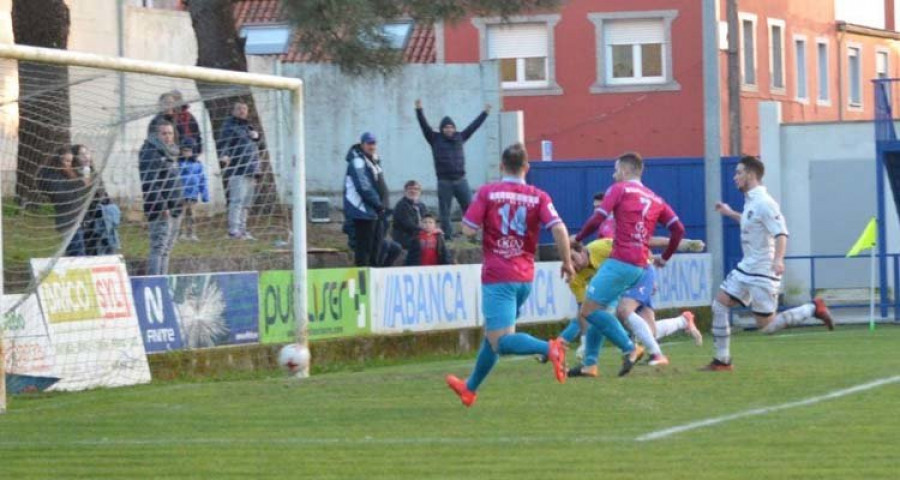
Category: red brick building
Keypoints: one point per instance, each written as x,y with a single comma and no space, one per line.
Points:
599,77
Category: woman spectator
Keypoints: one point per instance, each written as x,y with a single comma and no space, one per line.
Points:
66,188
101,221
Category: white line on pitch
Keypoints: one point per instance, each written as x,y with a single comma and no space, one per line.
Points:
765,410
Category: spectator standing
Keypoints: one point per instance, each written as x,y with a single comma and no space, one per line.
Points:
161,186
66,189
450,162
365,197
194,186
238,147
428,246
408,214
186,124
167,110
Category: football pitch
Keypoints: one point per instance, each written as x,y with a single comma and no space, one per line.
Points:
805,404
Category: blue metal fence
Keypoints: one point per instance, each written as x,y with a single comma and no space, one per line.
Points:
681,181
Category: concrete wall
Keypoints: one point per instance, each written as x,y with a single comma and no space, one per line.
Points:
826,176
339,108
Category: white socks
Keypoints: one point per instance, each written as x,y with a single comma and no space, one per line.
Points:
721,331
790,318
667,327
642,331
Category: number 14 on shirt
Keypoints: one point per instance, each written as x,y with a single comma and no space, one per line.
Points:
517,223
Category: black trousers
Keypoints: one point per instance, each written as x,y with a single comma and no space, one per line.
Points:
369,234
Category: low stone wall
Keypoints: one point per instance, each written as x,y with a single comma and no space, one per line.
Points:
344,354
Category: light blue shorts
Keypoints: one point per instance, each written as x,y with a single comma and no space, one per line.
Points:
613,279
501,303
643,291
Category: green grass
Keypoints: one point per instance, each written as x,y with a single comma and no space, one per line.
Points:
402,422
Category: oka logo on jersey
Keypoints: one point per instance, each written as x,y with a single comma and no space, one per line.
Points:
510,243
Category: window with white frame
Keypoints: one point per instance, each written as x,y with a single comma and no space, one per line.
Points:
523,46
854,76
523,51
634,51
881,64
776,53
800,73
824,95
748,49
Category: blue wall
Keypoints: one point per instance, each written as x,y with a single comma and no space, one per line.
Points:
680,181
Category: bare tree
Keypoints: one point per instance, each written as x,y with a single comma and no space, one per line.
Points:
44,116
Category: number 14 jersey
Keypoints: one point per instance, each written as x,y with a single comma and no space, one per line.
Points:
510,214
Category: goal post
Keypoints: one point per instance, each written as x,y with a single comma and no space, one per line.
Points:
293,159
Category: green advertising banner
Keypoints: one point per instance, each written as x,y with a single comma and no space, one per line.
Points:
338,304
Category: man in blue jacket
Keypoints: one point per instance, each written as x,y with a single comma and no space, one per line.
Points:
365,199
450,162
239,158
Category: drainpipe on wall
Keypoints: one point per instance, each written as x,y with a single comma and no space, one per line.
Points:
735,125
840,70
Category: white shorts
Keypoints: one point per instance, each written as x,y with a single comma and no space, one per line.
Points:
760,295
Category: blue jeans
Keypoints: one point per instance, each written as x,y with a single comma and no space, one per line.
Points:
163,232
76,248
447,191
241,190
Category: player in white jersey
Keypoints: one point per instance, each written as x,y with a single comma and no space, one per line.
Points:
756,281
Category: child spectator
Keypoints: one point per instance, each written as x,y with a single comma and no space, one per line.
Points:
193,181
408,214
428,248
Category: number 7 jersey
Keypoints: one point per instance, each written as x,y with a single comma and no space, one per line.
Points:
510,214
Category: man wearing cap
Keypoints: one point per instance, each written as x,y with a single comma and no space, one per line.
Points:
450,162
365,199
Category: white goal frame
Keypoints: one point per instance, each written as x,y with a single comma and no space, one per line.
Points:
211,75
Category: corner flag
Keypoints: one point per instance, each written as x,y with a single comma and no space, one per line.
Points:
867,240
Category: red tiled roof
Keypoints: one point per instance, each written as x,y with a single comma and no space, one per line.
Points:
257,12
420,48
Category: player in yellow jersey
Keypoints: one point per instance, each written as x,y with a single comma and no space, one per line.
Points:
587,260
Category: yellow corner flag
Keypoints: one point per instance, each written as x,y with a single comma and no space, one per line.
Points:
867,240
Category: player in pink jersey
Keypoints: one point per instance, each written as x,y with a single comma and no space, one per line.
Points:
510,214
637,211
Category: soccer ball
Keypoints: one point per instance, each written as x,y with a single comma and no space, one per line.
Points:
295,359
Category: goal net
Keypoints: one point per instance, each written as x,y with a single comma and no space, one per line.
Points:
182,175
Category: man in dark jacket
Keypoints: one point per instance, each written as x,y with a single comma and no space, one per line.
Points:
239,158
161,186
174,110
408,214
450,162
365,198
